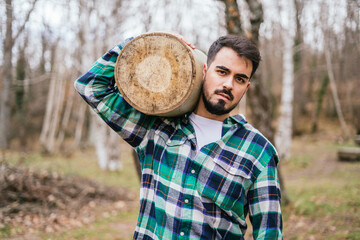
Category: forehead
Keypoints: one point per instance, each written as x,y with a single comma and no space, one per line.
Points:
229,58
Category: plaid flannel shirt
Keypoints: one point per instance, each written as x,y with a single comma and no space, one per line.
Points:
185,194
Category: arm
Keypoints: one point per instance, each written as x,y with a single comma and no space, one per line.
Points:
97,87
264,203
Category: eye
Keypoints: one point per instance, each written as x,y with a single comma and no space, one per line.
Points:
221,72
240,79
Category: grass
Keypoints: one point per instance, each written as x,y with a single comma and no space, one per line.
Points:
81,163
324,193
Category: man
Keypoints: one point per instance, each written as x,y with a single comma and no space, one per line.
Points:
203,172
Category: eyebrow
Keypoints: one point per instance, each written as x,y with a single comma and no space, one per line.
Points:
242,75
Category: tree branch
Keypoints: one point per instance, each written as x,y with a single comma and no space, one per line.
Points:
21,29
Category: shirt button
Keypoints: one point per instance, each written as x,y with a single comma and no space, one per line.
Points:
186,200
193,171
182,234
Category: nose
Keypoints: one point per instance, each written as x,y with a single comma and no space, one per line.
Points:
228,83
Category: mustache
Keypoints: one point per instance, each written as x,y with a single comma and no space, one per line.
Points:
225,91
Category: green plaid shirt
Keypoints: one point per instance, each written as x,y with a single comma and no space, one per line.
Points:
185,194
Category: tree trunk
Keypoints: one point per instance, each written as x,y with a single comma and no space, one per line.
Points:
67,112
283,136
299,83
81,117
20,97
260,98
107,145
54,108
319,102
48,113
115,149
259,95
334,93
7,77
100,141
51,144
232,17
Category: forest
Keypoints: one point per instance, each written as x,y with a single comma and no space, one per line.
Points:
64,174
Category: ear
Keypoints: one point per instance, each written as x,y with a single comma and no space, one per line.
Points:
249,83
204,70
247,87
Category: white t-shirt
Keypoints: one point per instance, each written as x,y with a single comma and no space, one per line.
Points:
206,130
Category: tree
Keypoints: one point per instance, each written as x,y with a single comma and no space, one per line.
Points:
283,136
8,44
327,32
259,96
299,79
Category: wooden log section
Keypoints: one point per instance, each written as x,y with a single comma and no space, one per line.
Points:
349,154
357,139
158,74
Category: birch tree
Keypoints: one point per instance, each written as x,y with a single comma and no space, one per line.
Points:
283,136
107,143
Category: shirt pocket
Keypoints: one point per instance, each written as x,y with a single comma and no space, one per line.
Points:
171,155
222,183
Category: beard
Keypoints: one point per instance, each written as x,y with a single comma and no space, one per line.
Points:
218,108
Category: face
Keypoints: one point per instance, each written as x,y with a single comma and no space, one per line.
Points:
226,80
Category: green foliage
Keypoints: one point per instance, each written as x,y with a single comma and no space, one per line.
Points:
5,231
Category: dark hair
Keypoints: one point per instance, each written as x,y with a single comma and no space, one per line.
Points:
243,47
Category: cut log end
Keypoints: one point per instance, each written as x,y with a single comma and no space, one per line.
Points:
156,73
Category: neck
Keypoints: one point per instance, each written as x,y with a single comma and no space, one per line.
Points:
201,111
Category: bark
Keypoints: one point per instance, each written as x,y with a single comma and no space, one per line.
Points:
107,145
51,144
299,96
67,113
48,112
81,117
100,142
54,107
232,17
335,94
259,96
319,102
20,97
7,78
283,136
116,149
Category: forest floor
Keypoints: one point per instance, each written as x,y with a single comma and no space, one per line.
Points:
324,195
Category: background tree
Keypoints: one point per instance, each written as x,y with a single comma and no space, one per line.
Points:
7,75
283,136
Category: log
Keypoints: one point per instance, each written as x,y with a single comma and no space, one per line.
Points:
357,139
349,154
158,74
